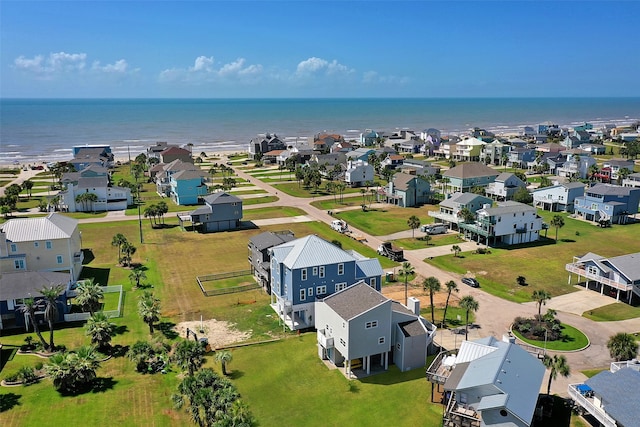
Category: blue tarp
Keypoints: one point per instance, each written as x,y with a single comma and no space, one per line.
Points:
583,388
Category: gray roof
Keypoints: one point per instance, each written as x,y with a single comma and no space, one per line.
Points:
221,198
574,184
611,190
355,300
413,328
470,170
25,284
509,207
93,182
619,394
462,199
269,239
401,180
50,227
629,265
368,267
310,251
399,308
187,174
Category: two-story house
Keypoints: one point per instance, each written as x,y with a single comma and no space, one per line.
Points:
469,150
95,180
264,143
632,180
359,328
358,173
608,202
509,223
186,187
369,138
558,197
259,258
221,212
493,152
578,165
450,208
308,268
406,190
49,243
87,155
488,383
466,176
162,172
504,187
614,275
520,157
361,153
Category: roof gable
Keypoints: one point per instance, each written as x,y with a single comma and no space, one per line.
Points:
310,251
355,300
470,170
50,227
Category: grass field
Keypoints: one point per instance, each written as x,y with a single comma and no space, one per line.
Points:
572,339
387,220
419,243
271,212
611,312
542,263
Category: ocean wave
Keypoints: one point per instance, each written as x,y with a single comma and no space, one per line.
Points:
63,149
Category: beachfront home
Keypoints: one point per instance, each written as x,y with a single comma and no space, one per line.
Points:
406,190
358,173
92,180
450,208
504,187
323,141
264,143
359,328
221,212
15,286
52,243
509,223
606,396
558,198
466,176
608,202
488,383
309,268
98,155
153,151
469,149
259,258
174,153
613,275
369,138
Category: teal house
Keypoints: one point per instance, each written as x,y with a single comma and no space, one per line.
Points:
187,187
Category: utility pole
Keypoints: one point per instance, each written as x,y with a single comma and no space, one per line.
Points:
138,203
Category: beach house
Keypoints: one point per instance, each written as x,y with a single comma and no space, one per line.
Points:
608,202
186,187
466,176
369,138
92,180
488,383
259,258
618,276
264,143
87,155
407,190
162,172
221,212
504,187
51,243
358,173
310,268
469,149
559,197
450,208
175,153
577,165
495,152
362,331
632,180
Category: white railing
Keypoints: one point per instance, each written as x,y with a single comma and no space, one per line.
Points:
583,272
76,317
598,413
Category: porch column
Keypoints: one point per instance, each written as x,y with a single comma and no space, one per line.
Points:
569,279
601,288
386,361
630,294
368,359
618,295
347,369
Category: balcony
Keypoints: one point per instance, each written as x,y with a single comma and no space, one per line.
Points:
589,405
581,271
521,230
78,257
323,340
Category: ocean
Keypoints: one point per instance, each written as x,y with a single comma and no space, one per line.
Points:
34,130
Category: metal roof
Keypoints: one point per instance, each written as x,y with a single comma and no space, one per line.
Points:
355,300
310,251
618,391
51,227
508,207
26,284
368,267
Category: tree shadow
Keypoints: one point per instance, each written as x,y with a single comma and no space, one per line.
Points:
167,330
101,385
122,329
119,350
7,354
8,401
99,275
567,240
235,374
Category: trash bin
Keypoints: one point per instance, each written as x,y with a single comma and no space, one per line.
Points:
389,276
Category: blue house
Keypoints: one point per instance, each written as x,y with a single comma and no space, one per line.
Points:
221,212
310,268
608,202
187,186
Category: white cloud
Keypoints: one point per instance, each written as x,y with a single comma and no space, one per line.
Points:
203,63
55,63
315,65
203,71
119,66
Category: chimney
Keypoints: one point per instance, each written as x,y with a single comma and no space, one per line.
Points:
508,338
414,305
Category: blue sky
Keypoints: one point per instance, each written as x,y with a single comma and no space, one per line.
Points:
239,49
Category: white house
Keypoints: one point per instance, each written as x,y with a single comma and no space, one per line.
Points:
358,173
558,197
95,180
577,165
504,187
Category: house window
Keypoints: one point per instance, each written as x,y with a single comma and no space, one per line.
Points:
36,244
340,269
303,294
321,290
372,282
592,269
304,274
14,247
321,271
19,264
371,325
340,286
315,271
48,245
59,259
398,347
344,344
381,340
310,292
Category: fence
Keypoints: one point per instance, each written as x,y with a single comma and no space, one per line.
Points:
222,276
74,317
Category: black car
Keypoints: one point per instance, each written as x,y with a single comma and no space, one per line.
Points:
471,282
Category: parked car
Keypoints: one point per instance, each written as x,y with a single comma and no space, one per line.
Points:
471,282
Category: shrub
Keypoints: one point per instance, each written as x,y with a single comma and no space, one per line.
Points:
27,375
39,366
11,378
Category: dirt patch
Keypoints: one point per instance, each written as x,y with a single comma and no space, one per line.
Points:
218,332
396,292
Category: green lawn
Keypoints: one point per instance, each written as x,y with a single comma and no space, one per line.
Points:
542,263
387,220
259,200
572,339
298,190
271,212
419,243
612,312
313,395
335,203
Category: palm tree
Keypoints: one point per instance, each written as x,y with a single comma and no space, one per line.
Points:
224,357
149,309
151,212
468,303
622,346
100,329
456,250
88,295
137,275
28,185
466,215
29,307
127,252
556,365
406,270
541,297
431,284
413,222
51,295
558,222
118,240
451,287
189,355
